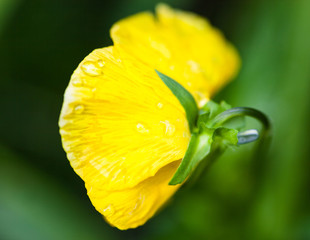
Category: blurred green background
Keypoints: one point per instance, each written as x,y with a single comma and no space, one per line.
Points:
245,195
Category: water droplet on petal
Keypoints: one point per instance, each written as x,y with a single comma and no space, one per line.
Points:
160,105
109,210
194,66
77,82
79,109
100,63
91,68
169,128
201,99
141,128
189,84
71,156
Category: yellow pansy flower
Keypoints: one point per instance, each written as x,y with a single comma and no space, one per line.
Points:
123,130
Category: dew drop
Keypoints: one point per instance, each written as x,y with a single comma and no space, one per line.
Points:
169,128
79,109
141,128
100,63
194,66
77,82
71,156
91,68
201,99
160,105
189,84
109,210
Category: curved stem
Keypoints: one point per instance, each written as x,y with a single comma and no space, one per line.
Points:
243,111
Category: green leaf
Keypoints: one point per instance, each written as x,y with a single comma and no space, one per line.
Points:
198,148
185,98
204,140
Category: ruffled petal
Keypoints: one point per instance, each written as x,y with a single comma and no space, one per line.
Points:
181,45
132,207
119,123
123,130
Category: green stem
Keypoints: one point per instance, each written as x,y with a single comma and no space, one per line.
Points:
243,111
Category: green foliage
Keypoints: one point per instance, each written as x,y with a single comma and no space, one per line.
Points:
202,132
198,148
185,98
204,139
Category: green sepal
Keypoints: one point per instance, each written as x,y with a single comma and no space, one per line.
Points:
213,109
222,138
204,139
198,148
226,136
203,132
185,98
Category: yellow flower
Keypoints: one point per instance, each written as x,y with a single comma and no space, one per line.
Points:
124,132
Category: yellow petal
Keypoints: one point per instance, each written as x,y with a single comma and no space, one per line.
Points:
119,123
132,207
123,130
181,45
